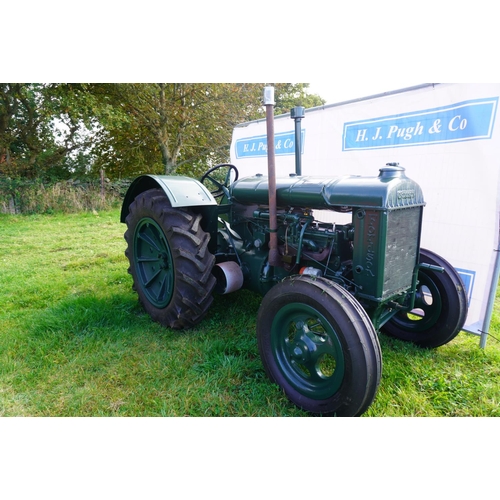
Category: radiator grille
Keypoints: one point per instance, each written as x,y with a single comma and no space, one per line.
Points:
402,241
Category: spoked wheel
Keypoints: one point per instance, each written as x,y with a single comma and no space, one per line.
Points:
440,306
319,345
218,181
169,260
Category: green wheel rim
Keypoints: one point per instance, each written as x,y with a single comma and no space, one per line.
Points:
153,262
307,350
427,309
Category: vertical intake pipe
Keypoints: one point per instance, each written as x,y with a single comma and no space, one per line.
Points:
274,256
297,113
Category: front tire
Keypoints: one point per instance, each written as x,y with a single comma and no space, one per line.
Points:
440,306
169,260
319,345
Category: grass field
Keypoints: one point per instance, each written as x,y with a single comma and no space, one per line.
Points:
74,342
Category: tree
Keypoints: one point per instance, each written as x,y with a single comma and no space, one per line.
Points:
188,124
23,128
40,126
289,95
62,130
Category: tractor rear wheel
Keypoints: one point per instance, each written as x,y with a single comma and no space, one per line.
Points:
440,306
169,260
319,345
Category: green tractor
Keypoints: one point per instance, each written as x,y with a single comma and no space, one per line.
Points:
328,289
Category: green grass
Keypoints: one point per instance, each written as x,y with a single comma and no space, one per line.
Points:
74,342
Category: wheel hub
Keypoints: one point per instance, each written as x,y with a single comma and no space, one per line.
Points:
164,261
300,354
305,347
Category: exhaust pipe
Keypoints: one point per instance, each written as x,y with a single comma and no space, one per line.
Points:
274,256
229,277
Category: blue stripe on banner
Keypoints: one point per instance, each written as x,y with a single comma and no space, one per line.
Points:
468,278
462,121
284,144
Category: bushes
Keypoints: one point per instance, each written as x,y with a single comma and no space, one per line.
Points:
22,196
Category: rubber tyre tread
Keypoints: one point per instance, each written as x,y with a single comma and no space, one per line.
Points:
355,331
192,261
454,307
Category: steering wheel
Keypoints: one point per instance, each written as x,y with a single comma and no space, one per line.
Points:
214,175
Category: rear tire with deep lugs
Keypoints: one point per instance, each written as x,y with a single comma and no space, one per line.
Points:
169,260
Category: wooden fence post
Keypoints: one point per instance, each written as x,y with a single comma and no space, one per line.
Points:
102,184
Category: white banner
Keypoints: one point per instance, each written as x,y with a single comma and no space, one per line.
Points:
444,135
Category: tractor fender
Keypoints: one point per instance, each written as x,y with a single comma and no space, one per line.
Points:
181,191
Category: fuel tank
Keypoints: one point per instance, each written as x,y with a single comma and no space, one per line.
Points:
389,190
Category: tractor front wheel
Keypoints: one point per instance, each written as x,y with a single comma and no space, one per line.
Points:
169,260
319,345
440,306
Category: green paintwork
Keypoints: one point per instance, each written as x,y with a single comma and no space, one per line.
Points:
389,190
375,256
427,308
181,191
154,264
307,351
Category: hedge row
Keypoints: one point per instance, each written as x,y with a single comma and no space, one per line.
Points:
22,196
